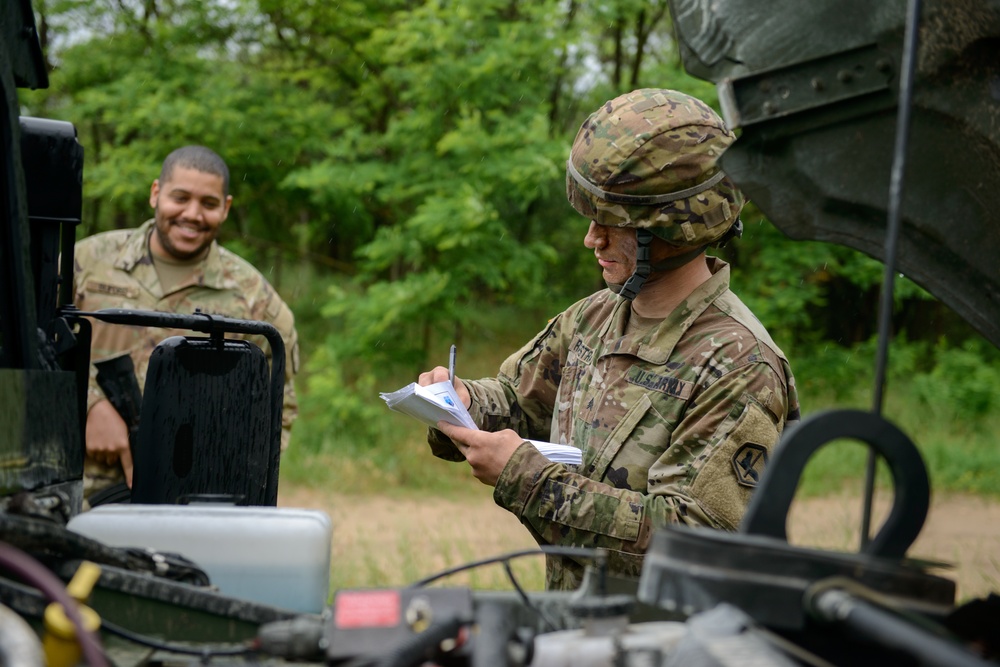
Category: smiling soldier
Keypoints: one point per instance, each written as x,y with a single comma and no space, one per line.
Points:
173,264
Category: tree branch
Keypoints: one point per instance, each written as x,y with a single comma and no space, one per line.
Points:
555,96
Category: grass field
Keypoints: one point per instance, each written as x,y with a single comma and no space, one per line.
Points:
400,514
959,460
953,419
394,539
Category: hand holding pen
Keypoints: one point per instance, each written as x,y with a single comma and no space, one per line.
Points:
440,374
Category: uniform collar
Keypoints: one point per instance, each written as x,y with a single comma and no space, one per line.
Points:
135,258
657,345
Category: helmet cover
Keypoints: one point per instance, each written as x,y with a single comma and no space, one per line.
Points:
648,159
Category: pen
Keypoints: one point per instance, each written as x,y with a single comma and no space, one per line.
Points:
451,365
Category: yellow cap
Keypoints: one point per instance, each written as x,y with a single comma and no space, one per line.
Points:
62,648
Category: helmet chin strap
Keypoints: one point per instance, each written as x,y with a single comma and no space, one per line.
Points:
643,267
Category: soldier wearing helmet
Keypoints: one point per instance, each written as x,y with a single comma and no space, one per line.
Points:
667,383
648,161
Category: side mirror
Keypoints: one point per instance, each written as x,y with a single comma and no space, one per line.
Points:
204,424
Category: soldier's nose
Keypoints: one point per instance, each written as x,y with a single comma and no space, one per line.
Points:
595,238
194,212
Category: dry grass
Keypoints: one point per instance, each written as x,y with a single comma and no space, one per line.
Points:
393,541
962,531
386,541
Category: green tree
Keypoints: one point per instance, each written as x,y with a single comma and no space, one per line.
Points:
419,146
139,79
466,162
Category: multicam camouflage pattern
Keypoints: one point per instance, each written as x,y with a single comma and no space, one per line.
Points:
674,422
648,143
114,270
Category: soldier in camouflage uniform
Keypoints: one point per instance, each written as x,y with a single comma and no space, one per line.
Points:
171,263
666,382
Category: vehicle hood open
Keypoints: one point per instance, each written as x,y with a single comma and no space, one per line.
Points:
816,115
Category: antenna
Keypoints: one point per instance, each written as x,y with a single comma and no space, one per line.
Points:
910,44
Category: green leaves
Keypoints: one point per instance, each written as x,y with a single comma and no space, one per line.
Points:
421,145
138,81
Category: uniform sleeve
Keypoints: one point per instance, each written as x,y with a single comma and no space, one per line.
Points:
277,313
81,258
94,392
693,482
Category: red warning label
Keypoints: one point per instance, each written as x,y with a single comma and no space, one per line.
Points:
367,609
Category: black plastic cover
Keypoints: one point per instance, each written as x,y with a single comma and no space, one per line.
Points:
812,89
205,424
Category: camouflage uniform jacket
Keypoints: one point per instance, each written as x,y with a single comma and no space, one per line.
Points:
114,270
674,422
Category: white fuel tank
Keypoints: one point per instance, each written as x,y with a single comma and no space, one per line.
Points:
275,555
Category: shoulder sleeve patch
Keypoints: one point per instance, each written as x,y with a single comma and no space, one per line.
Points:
727,479
748,463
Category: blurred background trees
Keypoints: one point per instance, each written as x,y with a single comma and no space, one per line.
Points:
398,173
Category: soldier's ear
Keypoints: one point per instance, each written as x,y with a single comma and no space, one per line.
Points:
225,210
154,192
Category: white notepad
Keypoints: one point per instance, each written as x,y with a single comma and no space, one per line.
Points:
439,402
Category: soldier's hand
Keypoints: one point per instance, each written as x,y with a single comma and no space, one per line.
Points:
440,374
107,438
486,452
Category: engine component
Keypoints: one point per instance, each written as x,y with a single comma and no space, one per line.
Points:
689,570
389,622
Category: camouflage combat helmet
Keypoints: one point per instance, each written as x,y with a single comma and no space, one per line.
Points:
648,160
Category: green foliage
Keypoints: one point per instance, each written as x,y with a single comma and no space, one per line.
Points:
962,385
398,173
777,280
389,322
809,293
149,81
944,397
461,156
326,406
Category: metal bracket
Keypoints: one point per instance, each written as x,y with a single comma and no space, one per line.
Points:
803,86
767,512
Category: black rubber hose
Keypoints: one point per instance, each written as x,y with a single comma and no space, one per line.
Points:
863,619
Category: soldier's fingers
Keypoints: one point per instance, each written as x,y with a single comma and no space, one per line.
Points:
463,392
458,434
433,376
447,429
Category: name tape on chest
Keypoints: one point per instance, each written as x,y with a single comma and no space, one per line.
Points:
583,353
664,384
127,291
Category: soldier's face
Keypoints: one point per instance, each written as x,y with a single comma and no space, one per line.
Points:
615,249
190,208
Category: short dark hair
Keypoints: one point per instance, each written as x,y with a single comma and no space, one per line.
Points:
199,158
